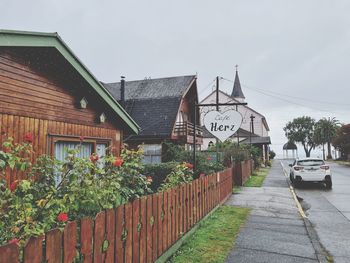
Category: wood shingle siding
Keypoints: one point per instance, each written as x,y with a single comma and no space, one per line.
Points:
25,92
17,126
32,101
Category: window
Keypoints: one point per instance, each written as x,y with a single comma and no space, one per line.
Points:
60,144
310,162
152,153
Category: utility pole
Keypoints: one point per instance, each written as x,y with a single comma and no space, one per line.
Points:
252,117
217,108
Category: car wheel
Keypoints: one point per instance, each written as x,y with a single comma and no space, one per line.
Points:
296,183
329,184
291,178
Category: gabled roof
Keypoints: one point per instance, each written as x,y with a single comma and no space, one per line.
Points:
153,103
237,90
10,38
173,87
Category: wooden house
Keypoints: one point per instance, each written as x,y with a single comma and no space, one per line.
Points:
46,90
164,110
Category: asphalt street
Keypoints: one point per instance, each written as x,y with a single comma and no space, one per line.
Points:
329,211
275,230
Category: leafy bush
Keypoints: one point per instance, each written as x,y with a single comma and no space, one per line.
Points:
158,172
33,206
272,155
204,160
232,152
181,174
206,164
173,153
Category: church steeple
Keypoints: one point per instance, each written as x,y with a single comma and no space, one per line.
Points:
237,90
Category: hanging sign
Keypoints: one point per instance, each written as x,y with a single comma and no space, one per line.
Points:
223,125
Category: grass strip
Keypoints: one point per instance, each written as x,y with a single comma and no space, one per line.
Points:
236,189
347,163
257,178
214,239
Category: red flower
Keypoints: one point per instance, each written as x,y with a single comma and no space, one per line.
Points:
81,138
62,217
13,186
201,175
29,137
209,158
118,162
94,158
189,165
14,241
149,179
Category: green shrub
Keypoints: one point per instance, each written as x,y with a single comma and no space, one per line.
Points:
181,174
158,172
37,204
173,153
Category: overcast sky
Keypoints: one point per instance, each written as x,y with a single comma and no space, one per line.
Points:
293,56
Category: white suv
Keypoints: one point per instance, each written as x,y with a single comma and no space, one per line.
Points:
310,170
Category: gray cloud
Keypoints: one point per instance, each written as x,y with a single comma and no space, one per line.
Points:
297,48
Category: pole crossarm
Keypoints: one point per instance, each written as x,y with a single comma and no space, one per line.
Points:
221,104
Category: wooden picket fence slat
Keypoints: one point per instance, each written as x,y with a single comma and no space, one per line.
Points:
140,231
86,237
53,241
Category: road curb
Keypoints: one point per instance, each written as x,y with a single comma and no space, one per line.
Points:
291,188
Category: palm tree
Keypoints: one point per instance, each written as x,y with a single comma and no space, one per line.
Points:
325,132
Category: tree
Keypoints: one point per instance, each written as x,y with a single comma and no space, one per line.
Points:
301,130
342,140
325,132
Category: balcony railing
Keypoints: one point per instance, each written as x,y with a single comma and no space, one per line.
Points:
185,131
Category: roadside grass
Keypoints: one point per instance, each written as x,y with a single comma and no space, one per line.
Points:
257,178
214,239
347,163
236,189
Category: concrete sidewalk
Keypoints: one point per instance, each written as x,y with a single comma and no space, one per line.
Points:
275,230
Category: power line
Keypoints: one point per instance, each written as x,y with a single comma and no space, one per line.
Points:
300,98
207,86
286,100
290,96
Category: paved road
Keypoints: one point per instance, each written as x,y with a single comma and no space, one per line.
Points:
329,212
274,231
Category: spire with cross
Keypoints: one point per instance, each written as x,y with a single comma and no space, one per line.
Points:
237,92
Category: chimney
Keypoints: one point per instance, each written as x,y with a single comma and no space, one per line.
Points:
122,91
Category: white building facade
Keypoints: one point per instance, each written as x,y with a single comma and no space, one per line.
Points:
254,128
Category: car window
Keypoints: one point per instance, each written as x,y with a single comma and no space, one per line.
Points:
310,162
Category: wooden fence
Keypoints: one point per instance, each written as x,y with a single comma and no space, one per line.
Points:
140,231
242,171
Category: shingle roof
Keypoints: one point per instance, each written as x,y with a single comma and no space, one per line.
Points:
156,117
237,90
153,103
151,88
